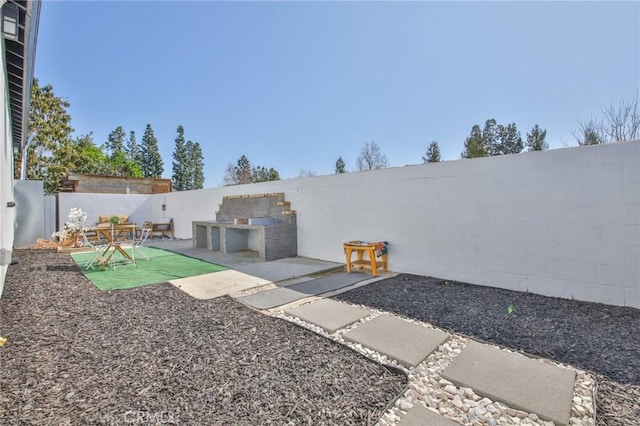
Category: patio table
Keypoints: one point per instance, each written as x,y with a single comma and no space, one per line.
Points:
116,235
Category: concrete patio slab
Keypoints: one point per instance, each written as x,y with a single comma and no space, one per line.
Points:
248,261
329,314
418,415
271,298
522,383
287,268
217,284
327,283
281,296
404,341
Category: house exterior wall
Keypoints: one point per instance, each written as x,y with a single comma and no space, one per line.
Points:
562,223
7,214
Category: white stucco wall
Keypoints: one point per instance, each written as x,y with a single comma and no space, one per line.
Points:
7,214
561,223
135,206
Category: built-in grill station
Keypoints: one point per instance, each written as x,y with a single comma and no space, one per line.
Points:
262,223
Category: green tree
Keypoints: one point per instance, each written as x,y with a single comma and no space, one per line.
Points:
341,167
180,177
87,158
490,137
115,142
371,158
433,153
188,165
592,133
133,149
193,165
536,139
150,159
243,173
119,159
474,144
197,164
262,174
49,131
494,139
509,140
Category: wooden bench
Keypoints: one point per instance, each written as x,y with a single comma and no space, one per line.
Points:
162,228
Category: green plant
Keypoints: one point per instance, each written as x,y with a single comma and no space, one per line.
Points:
114,219
511,309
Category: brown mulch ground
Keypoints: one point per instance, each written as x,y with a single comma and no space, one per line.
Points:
602,339
76,355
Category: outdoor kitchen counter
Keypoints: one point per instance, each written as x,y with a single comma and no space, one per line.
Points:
269,241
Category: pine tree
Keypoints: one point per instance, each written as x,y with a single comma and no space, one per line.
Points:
262,174
114,149
433,153
490,137
536,139
197,160
341,167
133,149
180,177
115,142
151,160
474,144
509,140
189,165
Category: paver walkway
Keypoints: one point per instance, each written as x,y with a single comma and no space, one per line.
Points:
404,341
281,296
511,378
522,382
342,314
421,416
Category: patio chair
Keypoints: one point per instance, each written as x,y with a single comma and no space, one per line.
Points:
137,244
97,245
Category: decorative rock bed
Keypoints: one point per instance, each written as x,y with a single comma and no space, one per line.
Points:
428,387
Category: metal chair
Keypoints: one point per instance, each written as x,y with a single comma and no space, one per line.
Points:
137,244
99,247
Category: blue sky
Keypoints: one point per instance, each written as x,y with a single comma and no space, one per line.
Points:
295,85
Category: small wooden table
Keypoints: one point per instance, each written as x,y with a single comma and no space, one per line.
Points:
115,234
360,248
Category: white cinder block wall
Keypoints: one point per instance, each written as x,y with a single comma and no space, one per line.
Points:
137,207
561,223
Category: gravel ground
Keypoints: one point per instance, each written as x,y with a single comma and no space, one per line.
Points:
76,355
599,338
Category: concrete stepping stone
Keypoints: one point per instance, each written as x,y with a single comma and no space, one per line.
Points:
281,296
522,383
329,314
404,341
209,286
421,416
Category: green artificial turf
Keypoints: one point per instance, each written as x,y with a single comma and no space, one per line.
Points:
162,267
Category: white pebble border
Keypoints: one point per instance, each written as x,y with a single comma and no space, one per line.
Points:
427,387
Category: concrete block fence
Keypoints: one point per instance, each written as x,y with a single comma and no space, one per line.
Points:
562,223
